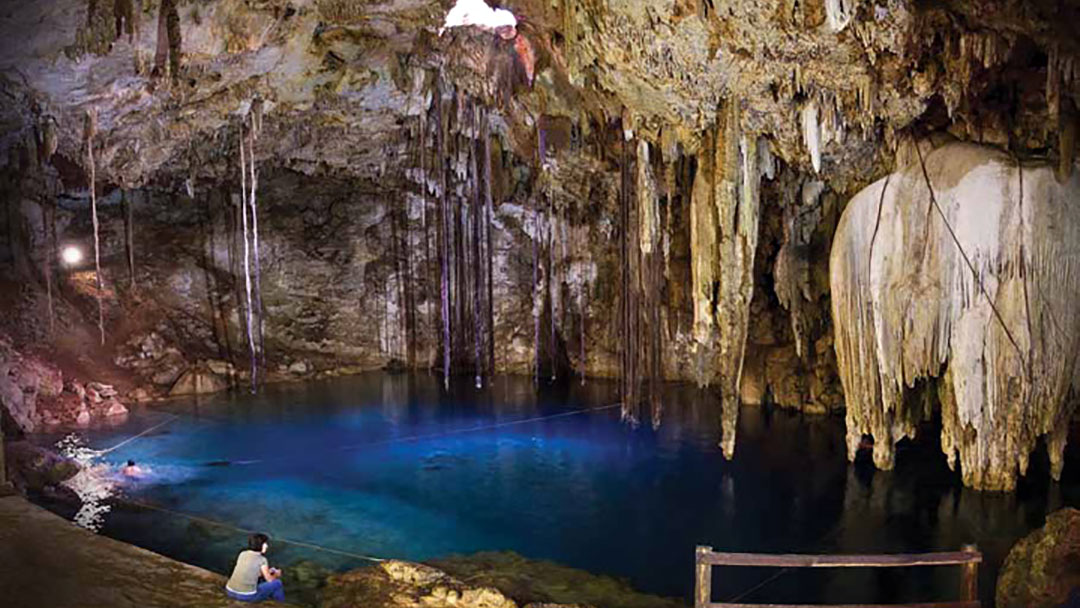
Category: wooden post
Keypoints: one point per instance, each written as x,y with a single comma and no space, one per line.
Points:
703,582
969,582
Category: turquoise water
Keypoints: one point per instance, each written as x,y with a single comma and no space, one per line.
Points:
391,466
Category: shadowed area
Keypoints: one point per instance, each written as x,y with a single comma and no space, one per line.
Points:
47,561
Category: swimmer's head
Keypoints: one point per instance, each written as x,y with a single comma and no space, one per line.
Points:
259,542
131,463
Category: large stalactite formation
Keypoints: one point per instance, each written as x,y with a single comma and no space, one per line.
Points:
724,237
642,190
961,267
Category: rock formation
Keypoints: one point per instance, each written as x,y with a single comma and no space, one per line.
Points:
961,270
1041,571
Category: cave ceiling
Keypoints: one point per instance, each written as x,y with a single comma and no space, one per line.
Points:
342,83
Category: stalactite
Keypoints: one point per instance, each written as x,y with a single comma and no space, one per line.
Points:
792,267
407,288
537,295
247,263
838,13
552,287
91,132
1069,121
423,120
256,126
168,40
582,321
996,260
489,217
630,285
724,231
478,288
649,278
458,252
811,130
443,233
48,230
396,250
129,239
124,15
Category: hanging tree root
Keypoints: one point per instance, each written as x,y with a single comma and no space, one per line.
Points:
90,132
247,262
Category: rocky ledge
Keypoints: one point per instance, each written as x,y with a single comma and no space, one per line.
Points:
483,580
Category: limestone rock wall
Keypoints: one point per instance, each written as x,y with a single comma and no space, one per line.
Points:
1001,342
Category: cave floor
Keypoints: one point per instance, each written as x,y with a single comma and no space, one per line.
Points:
46,561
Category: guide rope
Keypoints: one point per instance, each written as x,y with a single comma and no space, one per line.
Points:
479,428
279,539
172,417
974,273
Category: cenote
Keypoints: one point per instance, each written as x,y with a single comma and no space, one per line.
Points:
393,466
539,296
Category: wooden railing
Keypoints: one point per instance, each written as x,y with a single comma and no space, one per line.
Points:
968,559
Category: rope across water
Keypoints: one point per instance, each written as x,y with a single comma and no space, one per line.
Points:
246,531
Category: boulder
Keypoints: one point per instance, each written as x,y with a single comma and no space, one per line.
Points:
1042,570
168,369
139,395
104,391
199,381
299,368
412,573
115,408
26,385
219,367
34,468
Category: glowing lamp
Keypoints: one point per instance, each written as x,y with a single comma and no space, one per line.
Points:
71,255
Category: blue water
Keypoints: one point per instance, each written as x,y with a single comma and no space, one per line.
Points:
391,466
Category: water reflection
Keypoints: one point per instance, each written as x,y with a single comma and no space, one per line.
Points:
391,465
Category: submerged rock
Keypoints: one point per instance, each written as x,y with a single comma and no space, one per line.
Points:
495,580
398,583
545,583
990,319
1043,568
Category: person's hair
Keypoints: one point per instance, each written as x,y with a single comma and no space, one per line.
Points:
256,541
131,463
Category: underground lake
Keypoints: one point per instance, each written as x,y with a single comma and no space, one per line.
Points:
393,466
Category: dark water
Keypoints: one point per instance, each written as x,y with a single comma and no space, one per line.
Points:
390,466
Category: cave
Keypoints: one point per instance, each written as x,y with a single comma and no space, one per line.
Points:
539,303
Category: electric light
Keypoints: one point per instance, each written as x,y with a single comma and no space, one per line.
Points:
71,255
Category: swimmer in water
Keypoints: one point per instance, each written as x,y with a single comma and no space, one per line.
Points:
132,470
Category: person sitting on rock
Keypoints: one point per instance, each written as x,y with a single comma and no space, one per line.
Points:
244,583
